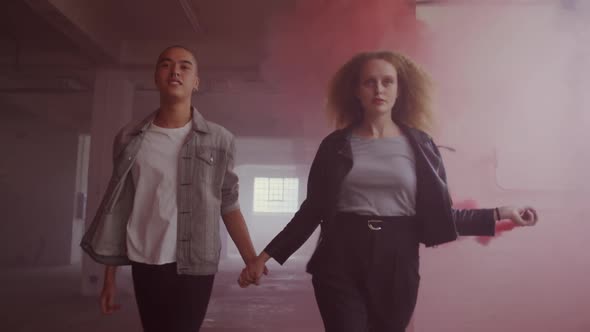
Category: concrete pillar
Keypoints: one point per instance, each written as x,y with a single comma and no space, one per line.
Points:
112,109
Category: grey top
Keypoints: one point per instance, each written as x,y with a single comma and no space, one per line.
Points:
382,180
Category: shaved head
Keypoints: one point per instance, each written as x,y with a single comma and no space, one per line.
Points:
163,53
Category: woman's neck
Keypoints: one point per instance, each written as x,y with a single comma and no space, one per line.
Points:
378,129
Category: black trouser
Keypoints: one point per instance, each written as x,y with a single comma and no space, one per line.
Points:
367,276
170,302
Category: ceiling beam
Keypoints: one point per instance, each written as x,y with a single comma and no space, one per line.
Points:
191,16
80,24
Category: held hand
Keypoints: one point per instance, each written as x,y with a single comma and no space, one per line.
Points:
257,269
244,278
252,273
107,298
524,216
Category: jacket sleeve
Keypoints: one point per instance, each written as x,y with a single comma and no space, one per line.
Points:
478,222
230,186
307,218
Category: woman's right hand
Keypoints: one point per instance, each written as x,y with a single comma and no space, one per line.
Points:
523,216
109,289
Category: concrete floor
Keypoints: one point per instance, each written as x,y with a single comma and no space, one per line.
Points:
524,280
49,299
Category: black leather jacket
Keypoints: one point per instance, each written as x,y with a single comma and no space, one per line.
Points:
438,221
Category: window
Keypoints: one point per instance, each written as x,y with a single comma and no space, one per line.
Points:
276,195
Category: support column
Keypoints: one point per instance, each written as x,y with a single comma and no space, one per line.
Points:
112,108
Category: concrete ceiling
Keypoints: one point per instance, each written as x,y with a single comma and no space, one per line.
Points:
50,49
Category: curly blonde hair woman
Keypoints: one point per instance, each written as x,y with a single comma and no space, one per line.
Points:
377,187
413,105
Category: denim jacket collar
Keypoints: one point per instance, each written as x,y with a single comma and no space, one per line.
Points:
199,123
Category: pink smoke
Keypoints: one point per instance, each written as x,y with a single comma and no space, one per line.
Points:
307,44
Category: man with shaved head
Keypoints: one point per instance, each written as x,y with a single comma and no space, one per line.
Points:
172,180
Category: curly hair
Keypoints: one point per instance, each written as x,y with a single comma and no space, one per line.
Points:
413,105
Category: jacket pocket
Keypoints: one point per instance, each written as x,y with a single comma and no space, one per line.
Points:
210,165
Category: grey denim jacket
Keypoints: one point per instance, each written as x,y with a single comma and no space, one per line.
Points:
207,188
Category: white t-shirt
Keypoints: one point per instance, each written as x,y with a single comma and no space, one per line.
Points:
151,230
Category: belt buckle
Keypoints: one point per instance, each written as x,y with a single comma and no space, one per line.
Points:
371,227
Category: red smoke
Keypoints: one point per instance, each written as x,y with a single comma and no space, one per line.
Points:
307,44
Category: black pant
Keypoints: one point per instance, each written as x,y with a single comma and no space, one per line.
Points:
367,279
170,302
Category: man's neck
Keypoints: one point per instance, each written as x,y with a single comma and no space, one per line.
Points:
173,115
